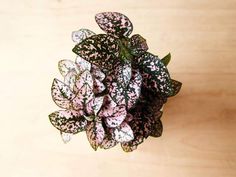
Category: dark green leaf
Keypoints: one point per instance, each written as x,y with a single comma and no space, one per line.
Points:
166,59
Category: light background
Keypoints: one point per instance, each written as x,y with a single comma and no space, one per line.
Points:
199,123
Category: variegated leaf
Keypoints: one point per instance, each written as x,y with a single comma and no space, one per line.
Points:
101,50
66,137
138,45
94,106
123,133
129,117
98,86
121,74
114,23
127,95
109,139
68,121
61,94
113,117
65,66
166,59
81,34
85,79
176,85
82,64
95,133
97,73
137,126
132,93
155,75
70,78
157,129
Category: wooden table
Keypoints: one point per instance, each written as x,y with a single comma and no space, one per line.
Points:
199,124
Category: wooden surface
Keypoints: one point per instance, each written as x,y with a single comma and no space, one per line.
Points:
199,124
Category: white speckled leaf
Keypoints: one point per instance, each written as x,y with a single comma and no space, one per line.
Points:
95,133
66,137
81,34
114,23
70,78
82,64
61,94
176,85
123,133
155,75
94,105
68,121
65,66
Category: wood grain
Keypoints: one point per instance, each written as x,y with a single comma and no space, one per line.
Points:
199,123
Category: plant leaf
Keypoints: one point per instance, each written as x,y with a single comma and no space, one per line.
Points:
84,89
82,64
166,59
114,23
98,86
155,75
123,133
61,94
81,34
138,45
68,121
70,79
113,117
65,66
94,105
66,137
95,133
97,73
176,87
85,79
137,126
109,139
127,95
101,50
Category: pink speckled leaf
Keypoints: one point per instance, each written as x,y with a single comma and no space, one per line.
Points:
112,114
68,121
84,90
97,73
85,79
109,139
98,86
65,66
94,105
114,23
127,95
123,133
133,91
138,45
129,117
82,64
81,34
61,94
95,133
101,50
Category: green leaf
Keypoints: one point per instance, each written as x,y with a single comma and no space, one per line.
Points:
166,59
176,85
